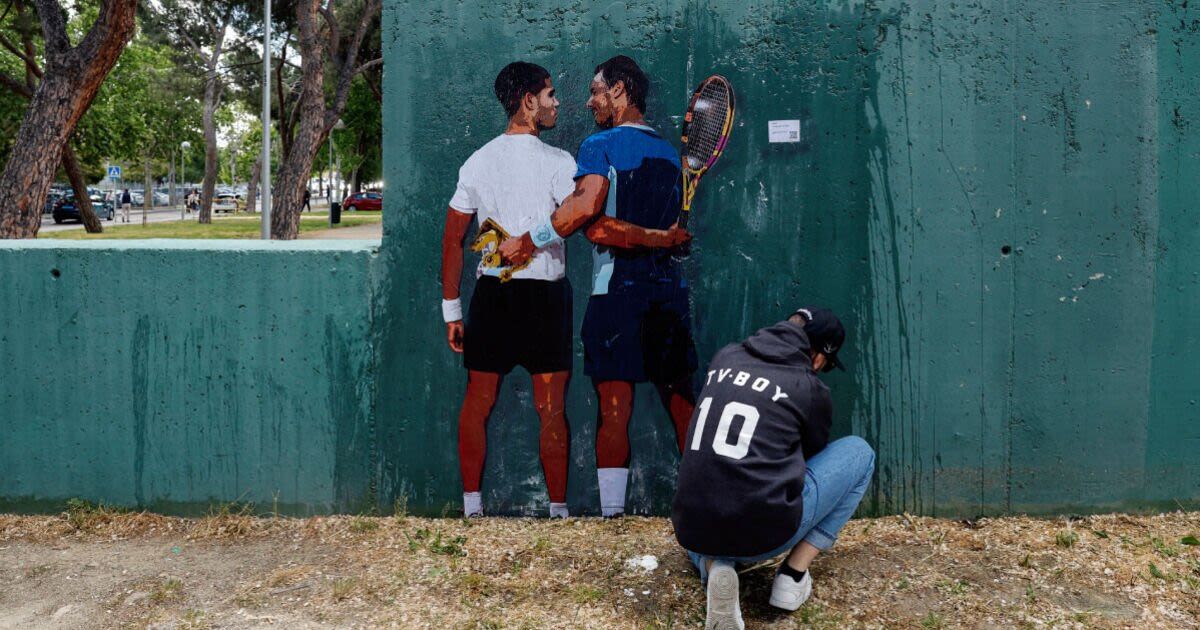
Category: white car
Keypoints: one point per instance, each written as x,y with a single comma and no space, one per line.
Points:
227,202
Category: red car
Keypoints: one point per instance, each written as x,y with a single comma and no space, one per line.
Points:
364,201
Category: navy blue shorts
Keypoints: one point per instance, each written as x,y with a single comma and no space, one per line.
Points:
639,333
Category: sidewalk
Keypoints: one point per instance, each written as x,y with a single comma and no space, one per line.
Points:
372,231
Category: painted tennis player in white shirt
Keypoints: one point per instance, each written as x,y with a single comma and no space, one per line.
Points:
516,181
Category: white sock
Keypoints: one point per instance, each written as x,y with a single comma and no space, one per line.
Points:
472,504
558,510
612,490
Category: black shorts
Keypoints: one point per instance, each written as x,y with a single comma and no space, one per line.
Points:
520,322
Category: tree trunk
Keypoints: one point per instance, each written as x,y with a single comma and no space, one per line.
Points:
315,121
310,132
83,201
72,77
210,149
252,187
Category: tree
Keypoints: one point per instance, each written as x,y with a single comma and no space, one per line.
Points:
71,79
23,25
316,114
204,27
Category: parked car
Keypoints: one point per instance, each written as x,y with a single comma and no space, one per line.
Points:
364,201
52,200
67,210
159,199
228,202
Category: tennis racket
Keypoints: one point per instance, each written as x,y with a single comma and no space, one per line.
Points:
706,129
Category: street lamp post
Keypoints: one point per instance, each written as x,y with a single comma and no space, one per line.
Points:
266,123
338,126
182,168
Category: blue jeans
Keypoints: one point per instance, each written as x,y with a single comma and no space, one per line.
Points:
834,484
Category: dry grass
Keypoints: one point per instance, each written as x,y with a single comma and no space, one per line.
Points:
1094,572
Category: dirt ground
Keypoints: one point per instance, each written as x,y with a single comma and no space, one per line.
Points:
95,569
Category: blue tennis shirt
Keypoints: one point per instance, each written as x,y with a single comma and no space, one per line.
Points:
645,187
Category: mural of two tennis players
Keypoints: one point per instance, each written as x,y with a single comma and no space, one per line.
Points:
758,478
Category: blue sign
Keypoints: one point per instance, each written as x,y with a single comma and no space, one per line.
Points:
114,172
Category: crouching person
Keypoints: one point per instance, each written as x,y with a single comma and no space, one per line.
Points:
759,477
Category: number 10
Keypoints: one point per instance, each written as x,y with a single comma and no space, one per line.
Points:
721,443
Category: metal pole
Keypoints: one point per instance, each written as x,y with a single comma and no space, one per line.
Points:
266,124
175,184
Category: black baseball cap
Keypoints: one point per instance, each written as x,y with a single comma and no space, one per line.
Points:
825,333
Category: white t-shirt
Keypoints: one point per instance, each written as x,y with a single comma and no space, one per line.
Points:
518,181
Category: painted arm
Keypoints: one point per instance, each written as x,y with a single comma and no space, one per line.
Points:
585,204
620,234
455,233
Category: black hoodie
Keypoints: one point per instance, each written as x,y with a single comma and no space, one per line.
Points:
762,412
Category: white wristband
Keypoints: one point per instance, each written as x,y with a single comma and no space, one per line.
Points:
544,235
452,310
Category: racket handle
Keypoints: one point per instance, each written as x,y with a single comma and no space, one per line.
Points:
683,218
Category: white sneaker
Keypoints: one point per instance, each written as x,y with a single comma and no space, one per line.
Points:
788,594
724,610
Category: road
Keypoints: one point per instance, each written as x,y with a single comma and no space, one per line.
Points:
158,215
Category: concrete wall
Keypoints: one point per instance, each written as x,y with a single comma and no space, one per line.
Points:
180,374
999,197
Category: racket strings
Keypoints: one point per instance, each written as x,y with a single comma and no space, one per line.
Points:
709,116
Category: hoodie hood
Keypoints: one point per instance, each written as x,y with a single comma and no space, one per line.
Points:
784,343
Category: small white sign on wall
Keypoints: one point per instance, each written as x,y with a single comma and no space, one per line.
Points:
783,131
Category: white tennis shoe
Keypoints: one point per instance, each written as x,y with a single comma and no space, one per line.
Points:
724,609
789,594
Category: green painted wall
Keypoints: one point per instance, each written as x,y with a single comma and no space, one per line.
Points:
180,374
1058,377
937,136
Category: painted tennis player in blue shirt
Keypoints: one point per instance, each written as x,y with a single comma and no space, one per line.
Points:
638,324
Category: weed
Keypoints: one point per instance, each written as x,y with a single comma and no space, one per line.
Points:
903,583
344,588
363,524
452,547
82,514
933,620
540,544
400,507
38,571
249,600
584,594
1190,541
1066,539
1030,593
1163,548
1154,571
475,584
815,616
953,587
1026,562
1100,533
169,590
1081,617
193,619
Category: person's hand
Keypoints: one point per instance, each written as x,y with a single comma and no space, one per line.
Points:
517,251
675,238
454,335
678,237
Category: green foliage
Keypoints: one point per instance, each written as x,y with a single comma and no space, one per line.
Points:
1066,539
